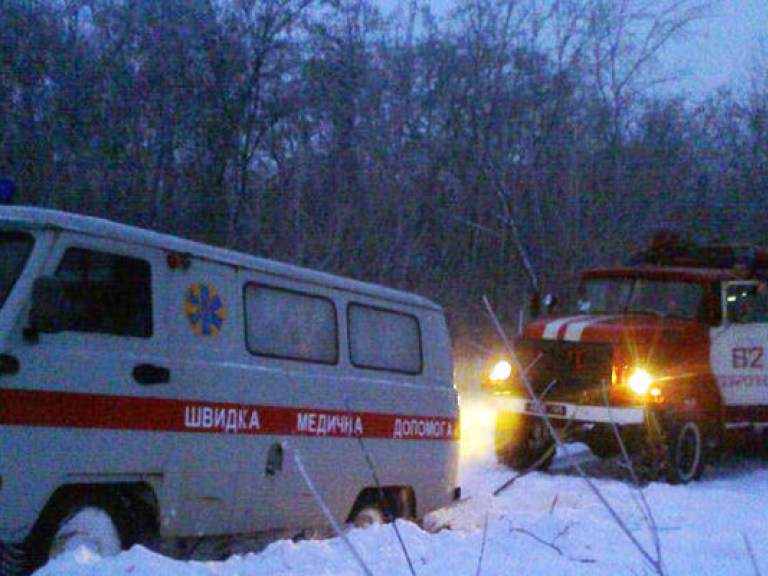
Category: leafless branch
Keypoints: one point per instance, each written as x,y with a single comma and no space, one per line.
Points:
538,539
327,512
751,553
644,506
554,503
375,475
482,545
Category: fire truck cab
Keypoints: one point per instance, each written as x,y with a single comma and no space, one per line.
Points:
667,353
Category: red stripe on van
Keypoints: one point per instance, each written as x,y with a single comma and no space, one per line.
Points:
46,408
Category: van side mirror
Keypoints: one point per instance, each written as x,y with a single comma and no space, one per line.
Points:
59,305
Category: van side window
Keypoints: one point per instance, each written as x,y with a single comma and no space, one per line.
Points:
113,293
384,340
292,325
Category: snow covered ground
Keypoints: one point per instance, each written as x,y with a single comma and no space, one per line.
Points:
545,523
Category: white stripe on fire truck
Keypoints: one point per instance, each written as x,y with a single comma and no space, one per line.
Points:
553,328
575,331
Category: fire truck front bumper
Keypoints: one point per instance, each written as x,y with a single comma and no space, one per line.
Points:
562,414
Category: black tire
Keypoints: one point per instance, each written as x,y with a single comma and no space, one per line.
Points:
368,516
106,506
685,451
380,506
602,442
529,446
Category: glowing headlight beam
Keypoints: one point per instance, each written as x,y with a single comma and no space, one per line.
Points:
640,381
501,371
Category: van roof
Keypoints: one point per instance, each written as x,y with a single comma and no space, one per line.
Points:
31,217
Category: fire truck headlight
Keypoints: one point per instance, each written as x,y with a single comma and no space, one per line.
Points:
640,381
501,371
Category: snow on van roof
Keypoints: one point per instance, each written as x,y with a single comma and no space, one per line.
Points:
45,218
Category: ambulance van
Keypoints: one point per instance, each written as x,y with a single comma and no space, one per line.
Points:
152,386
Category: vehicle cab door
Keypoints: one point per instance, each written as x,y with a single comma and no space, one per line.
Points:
738,354
83,342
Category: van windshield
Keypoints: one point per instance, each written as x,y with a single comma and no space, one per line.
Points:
14,251
642,296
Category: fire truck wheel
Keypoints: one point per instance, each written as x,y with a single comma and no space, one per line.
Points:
602,442
685,452
603,447
98,521
533,447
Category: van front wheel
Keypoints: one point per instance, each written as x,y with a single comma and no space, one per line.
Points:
100,522
91,527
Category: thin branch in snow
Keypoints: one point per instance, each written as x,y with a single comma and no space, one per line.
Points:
751,553
640,499
482,546
655,563
531,468
564,531
537,538
375,475
554,503
327,513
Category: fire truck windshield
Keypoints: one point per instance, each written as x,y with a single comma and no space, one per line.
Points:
14,251
642,296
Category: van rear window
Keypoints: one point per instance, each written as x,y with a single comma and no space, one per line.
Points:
384,340
292,325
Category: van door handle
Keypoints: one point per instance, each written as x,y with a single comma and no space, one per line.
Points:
149,375
9,364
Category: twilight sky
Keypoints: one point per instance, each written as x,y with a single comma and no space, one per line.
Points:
722,48
717,51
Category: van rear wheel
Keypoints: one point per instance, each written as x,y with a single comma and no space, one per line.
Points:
382,505
368,516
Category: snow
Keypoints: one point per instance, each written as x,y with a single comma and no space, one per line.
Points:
544,523
90,527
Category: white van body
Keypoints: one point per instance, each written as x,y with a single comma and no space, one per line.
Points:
201,373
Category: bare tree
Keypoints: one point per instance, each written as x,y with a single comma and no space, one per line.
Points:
265,29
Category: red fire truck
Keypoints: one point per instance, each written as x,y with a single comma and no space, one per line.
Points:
667,353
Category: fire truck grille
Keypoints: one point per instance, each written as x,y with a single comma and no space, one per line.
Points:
566,371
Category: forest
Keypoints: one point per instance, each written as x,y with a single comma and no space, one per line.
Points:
497,149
